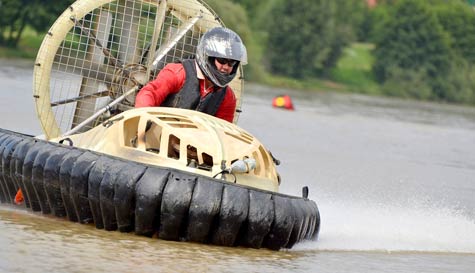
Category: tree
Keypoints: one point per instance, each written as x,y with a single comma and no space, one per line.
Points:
458,19
235,17
349,16
15,15
413,40
373,22
305,38
300,42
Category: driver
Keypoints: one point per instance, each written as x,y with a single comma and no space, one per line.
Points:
202,83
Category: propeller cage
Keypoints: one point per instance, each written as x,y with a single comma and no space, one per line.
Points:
98,50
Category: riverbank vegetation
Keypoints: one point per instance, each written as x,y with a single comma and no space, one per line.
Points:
419,49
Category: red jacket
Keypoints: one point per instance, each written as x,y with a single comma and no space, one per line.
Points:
170,80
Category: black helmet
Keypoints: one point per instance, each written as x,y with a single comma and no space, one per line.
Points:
220,42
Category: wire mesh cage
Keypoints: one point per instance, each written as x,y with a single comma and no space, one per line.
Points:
98,51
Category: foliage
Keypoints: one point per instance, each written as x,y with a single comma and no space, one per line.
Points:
16,15
235,18
259,15
413,40
423,49
354,68
310,35
459,83
300,53
407,83
458,19
373,23
349,14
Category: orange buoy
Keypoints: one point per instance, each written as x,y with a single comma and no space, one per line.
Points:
283,101
19,197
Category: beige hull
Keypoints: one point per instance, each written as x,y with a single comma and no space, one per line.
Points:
181,139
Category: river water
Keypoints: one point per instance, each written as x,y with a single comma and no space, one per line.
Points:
394,181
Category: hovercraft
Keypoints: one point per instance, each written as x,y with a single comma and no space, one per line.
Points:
171,173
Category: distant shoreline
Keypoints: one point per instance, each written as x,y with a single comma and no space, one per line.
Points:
17,62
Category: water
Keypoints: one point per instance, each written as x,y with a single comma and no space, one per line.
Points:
17,108
394,181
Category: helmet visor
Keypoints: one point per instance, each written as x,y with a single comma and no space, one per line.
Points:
227,45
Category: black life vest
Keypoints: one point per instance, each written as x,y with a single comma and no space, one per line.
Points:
189,95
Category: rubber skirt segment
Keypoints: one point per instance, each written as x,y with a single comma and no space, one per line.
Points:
4,191
175,205
52,185
233,212
28,175
282,226
3,178
204,208
299,219
3,187
306,219
6,158
19,158
67,164
96,175
124,195
148,198
107,192
37,175
9,165
313,220
259,220
310,220
6,150
79,186
316,228
12,164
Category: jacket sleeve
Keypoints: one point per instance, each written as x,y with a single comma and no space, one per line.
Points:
228,107
169,80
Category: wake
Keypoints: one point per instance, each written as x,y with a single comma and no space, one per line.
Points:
393,228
